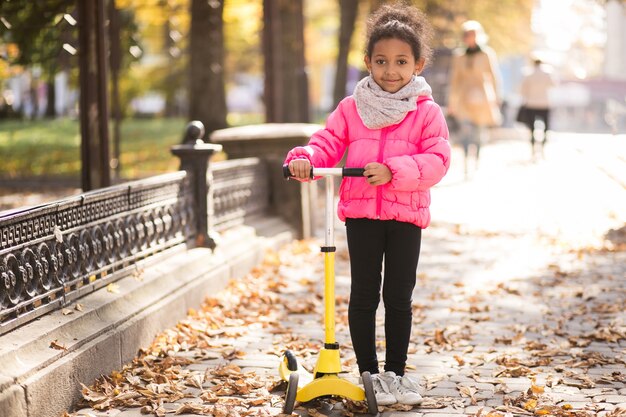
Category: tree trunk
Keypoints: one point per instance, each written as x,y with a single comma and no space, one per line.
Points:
51,97
170,84
286,83
349,11
115,63
207,97
94,116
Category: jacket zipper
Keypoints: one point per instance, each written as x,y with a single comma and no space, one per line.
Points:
379,192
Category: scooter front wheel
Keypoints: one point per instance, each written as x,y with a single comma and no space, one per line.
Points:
290,395
370,395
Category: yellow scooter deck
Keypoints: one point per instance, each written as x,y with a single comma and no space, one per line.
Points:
326,383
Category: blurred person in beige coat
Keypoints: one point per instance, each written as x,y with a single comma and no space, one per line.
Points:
474,89
535,89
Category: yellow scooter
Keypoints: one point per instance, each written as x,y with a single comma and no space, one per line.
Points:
302,385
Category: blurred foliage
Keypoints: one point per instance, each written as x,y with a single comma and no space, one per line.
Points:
44,34
52,147
163,31
243,23
155,50
162,26
158,30
37,30
507,22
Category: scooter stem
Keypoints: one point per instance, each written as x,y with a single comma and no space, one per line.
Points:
329,263
330,212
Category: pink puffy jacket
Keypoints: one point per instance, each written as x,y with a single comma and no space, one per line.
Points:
416,151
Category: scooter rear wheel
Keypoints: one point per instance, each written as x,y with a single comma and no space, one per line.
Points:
370,395
290,395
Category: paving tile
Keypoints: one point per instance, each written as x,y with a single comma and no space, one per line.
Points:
90,412
613,399
472,410
449,384
442,392
577,405
131,412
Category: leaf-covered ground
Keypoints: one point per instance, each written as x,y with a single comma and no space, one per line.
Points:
546,345
519,308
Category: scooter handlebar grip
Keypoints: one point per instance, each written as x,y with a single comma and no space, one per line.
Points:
287,173
353,172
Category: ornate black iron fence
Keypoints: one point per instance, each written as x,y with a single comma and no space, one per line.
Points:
240,189
51,255
57,252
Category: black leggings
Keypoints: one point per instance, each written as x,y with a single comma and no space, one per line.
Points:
369,242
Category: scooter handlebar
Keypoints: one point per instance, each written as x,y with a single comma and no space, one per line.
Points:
320,172
352,172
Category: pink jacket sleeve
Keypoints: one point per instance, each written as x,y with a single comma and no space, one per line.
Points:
326,146
426,168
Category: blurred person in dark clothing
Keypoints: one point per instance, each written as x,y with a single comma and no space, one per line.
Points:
534,90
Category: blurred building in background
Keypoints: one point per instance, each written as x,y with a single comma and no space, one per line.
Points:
615,64
615,52
584,42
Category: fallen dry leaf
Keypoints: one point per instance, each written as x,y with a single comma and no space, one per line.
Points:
264,299
113,288
468,391
56,345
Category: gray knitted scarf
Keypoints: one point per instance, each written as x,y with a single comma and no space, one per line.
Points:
379,108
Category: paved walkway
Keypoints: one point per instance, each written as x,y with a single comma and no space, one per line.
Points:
519,307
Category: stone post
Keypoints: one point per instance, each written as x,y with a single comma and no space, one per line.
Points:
194,157
291,200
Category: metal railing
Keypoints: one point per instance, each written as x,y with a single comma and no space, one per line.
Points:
239,190
53,254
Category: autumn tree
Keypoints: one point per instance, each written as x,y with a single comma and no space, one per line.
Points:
348,11
40,31
506,21
207,95
286,83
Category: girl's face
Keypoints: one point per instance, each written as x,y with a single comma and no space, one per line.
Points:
392,64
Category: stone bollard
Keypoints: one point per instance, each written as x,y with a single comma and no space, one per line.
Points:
194,157
291,200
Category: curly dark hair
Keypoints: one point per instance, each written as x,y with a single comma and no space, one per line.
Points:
403,21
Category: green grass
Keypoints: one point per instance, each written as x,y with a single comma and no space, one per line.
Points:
51,148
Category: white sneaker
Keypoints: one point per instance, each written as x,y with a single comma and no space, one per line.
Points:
403,388
381,390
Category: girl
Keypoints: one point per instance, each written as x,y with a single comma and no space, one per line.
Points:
392,127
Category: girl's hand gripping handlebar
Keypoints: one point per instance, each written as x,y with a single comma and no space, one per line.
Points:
321,172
